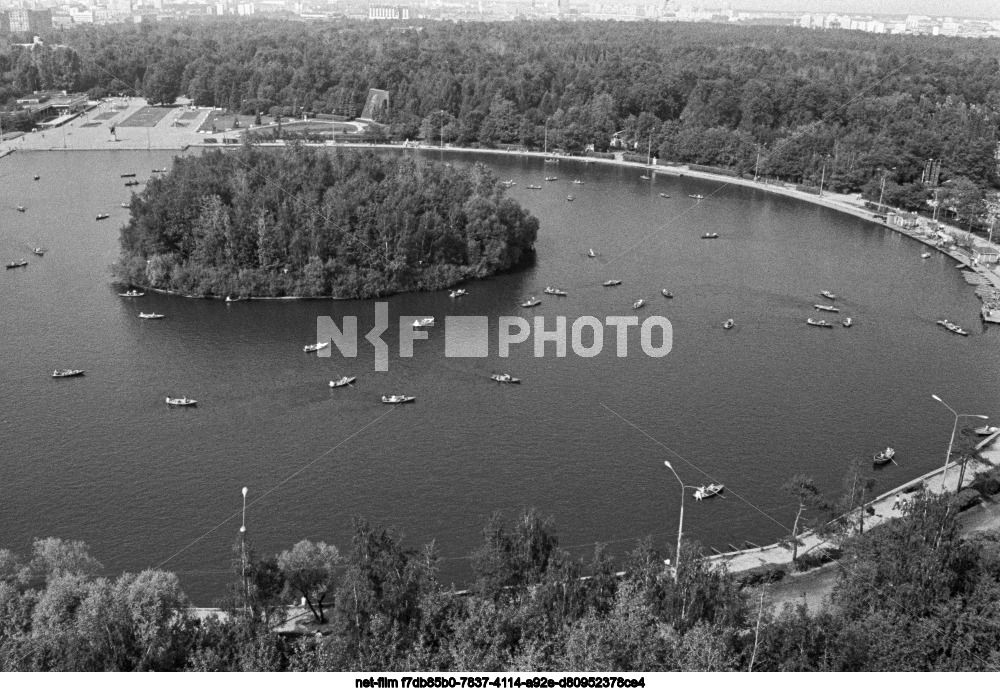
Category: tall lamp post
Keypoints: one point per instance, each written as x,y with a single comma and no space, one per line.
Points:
882,192
822,177
680,522
243,552
954,428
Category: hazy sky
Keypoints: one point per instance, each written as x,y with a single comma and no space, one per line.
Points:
952,8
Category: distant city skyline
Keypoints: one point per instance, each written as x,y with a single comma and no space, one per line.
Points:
987,9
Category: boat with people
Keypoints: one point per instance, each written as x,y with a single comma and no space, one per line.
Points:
710,236
124,205
132,183
569,198
666,293
551,178
508,183
664,195
425,322
591,253
17,263
638,304
150,316
925,255
21,209
953,328
312,348
132,294
697,196
613,282
987,430
101,217
827,294
578,182
128,175
342,382
818,323
848,322
458,293
67,373
37,177
728,324
826,308
531,302
398,399
555,291
706,491
181,401
885,456
504,379
159,170
230,299
38,251
534,187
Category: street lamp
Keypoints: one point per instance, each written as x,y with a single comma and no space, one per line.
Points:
884,174
947,457
680,523
822,177
243,528
243,553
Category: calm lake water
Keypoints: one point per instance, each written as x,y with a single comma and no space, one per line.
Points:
104,460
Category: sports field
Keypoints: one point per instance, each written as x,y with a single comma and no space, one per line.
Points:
147,116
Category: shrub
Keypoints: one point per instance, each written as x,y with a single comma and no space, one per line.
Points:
966,499
987,483
820,556
713,169
765,574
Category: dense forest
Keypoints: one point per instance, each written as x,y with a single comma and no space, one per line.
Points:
299,222
845,108
911,594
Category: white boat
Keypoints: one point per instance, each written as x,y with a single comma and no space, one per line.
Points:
101,217
311,348
21,209
182,401
342,382
508,183
505,379
818,323
710,236
458,293
848,321
125,205
230,299
664,195
67,373
150,316
925,255
132,294
551,160
551,178
666,293
578,182
826,308
554,291
884,457
728,324
953,328
531,302
987,430
39,251
697,196
569,198
613,282
638,304
591,253
18,263
425,322
644,177
398,399
827,294
708,491
534,187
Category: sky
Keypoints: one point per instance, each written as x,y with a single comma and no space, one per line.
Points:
988,9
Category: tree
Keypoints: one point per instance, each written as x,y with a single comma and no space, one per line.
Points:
161,85
309,569
808,495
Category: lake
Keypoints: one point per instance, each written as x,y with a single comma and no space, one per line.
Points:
102,458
